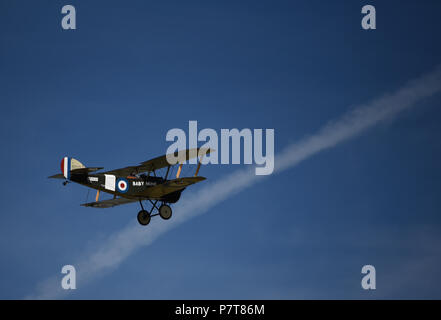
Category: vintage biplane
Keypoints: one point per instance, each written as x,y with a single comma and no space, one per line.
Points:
136,183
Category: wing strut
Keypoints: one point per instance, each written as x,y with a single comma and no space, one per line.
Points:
166,175
179,171
199,165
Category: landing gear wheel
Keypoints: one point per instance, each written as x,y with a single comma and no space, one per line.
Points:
143,217
165,212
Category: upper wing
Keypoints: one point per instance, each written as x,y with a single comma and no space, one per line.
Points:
158,163
109,203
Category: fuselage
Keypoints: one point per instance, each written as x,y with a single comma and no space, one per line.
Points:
131,187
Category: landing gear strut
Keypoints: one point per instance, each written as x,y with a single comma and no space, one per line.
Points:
144,216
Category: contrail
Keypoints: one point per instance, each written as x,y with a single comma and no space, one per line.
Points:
110,253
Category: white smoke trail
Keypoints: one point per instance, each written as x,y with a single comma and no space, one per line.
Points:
122,244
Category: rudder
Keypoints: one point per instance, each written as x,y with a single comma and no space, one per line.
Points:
68,164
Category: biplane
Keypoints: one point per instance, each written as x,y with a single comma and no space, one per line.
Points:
136,183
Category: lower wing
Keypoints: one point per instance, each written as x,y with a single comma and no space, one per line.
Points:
155,192
160,190
109,203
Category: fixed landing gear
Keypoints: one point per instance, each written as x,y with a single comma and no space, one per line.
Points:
144,216
165,212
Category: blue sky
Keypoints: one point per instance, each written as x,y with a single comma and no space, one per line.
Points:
108,92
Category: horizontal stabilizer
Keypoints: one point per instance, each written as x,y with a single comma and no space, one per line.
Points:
57,176
76,171
85,170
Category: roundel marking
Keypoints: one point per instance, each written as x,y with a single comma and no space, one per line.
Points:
122,185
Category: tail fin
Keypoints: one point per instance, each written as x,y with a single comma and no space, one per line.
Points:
68,164
73,166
